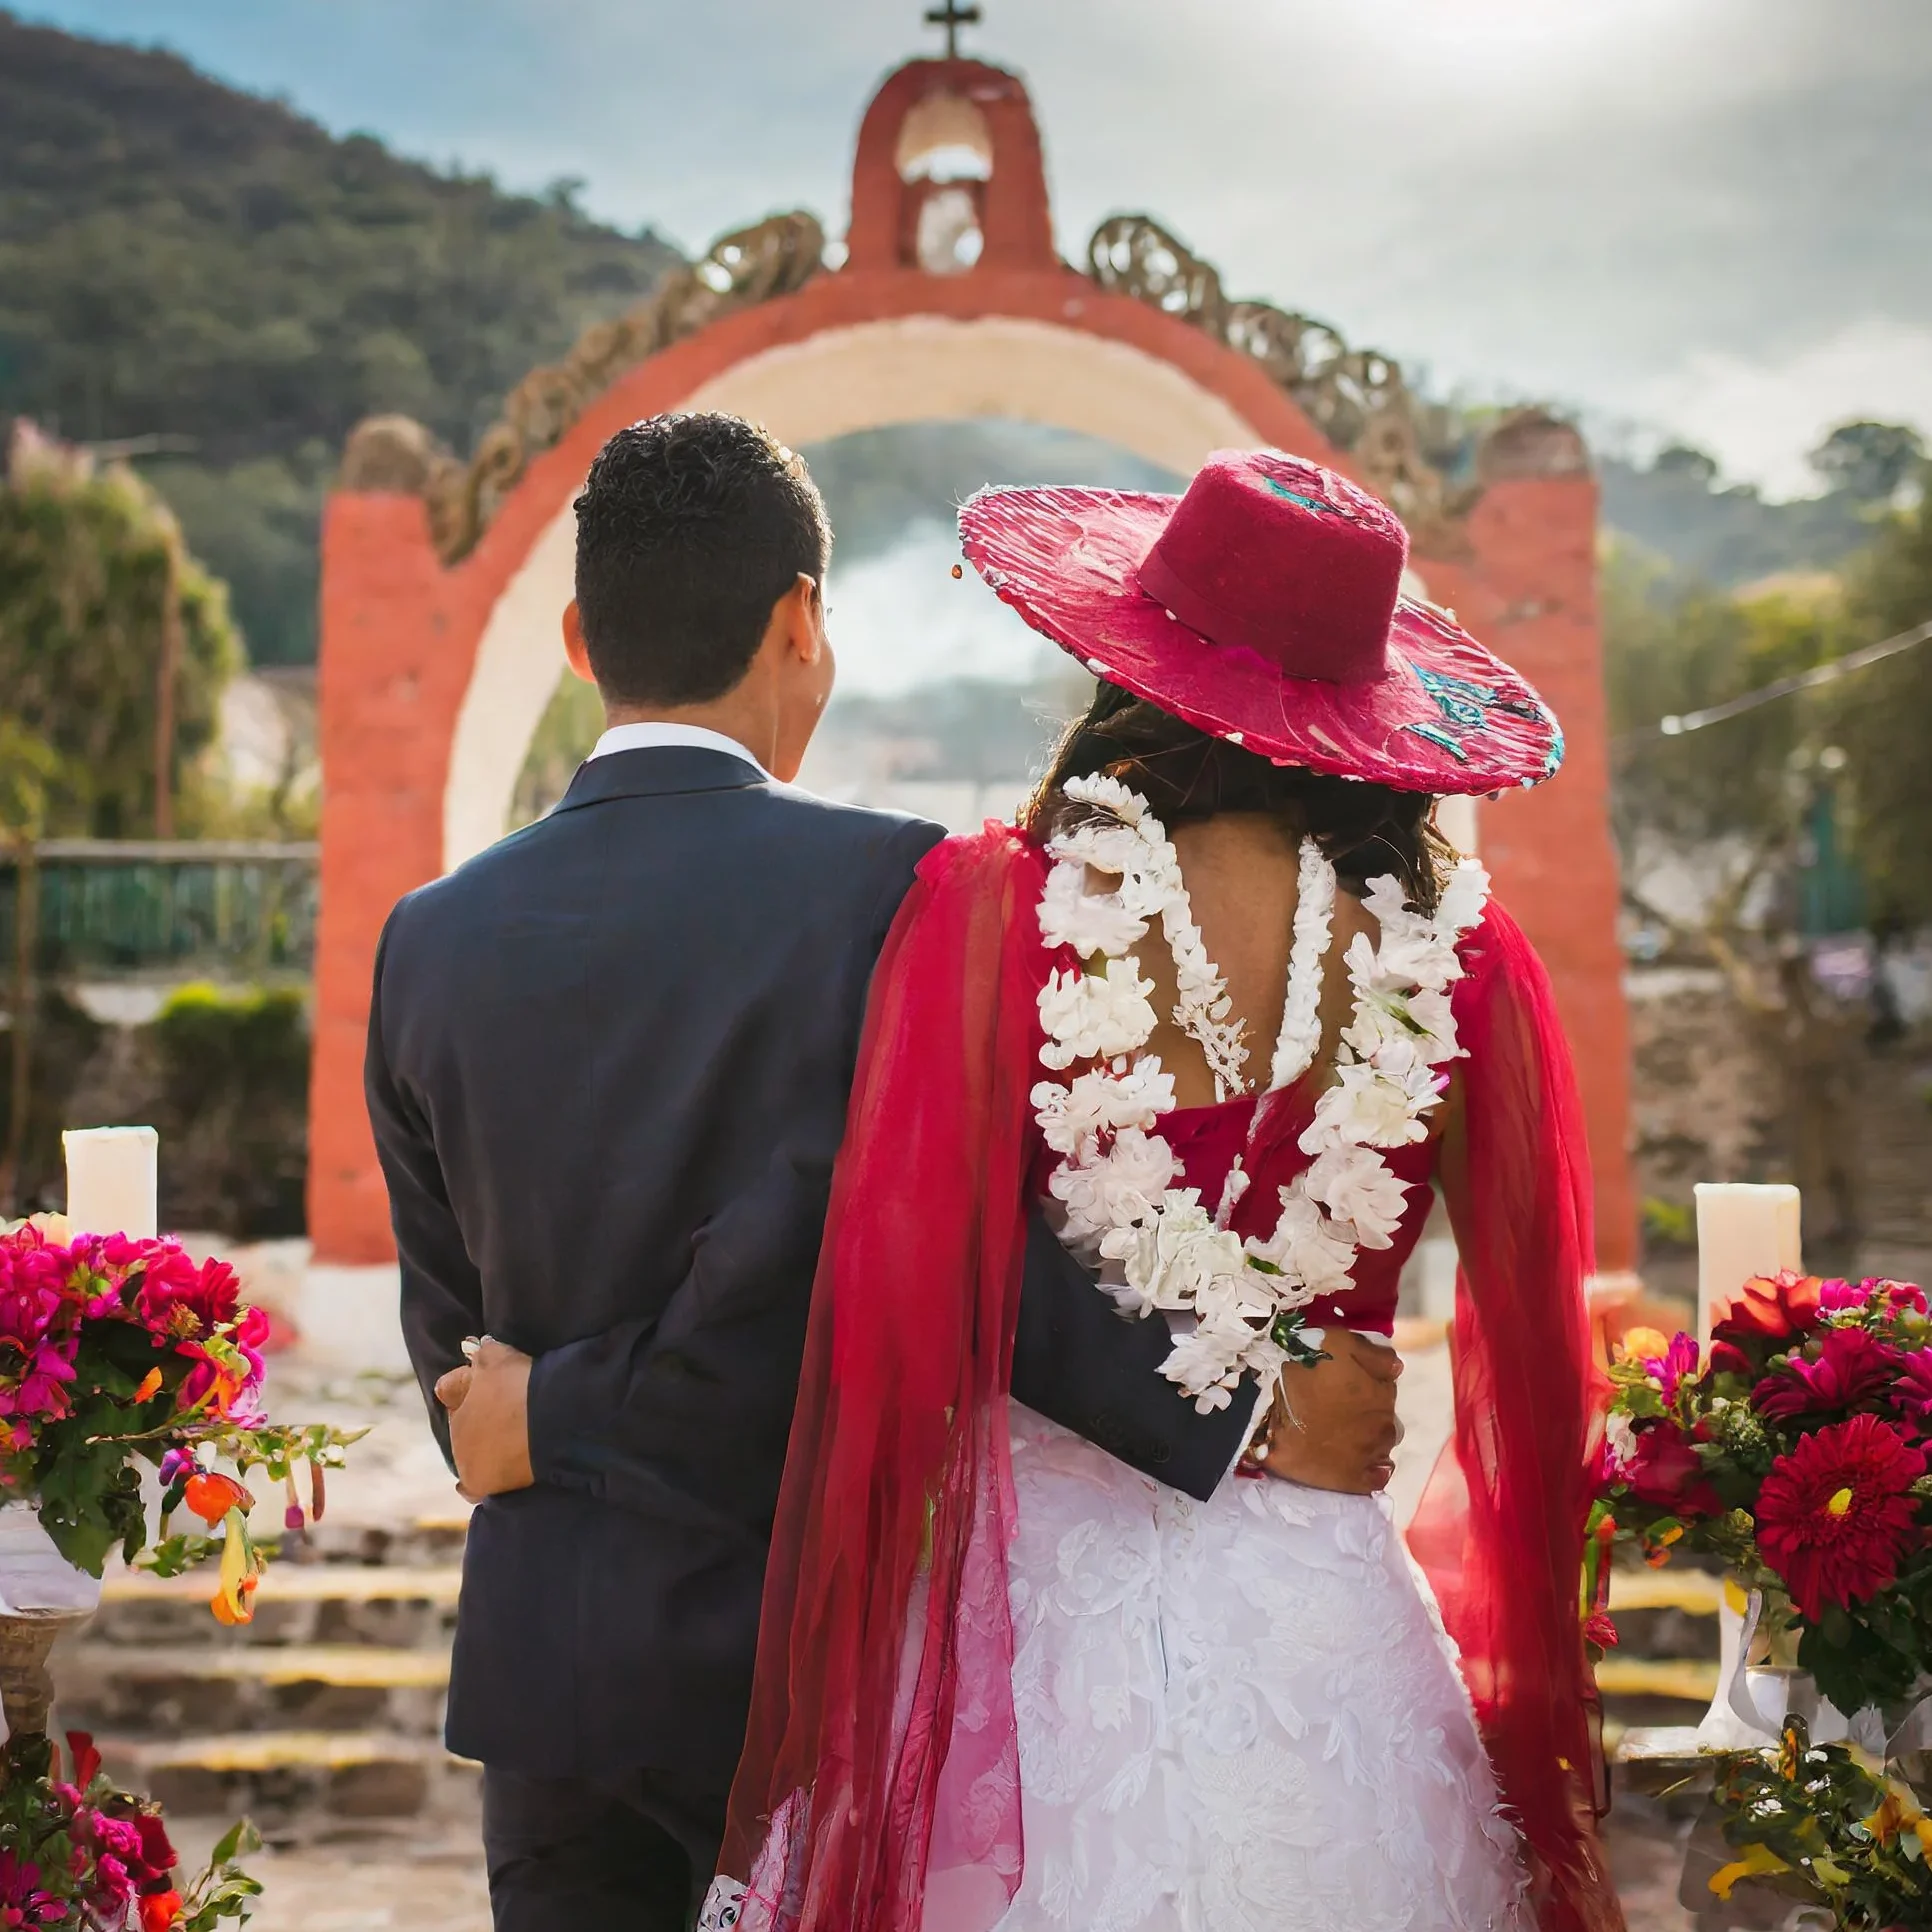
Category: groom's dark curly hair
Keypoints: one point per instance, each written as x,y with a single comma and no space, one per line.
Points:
689,529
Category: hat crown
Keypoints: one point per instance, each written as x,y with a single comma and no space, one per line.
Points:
1270,554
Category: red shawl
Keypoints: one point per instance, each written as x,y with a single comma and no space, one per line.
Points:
879,1789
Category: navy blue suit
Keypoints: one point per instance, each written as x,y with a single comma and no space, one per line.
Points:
608,1069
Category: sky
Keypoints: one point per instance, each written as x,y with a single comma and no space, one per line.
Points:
1708,219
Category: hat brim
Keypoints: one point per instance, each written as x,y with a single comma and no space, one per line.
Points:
1446,716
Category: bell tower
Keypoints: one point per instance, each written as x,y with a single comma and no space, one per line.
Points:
948,177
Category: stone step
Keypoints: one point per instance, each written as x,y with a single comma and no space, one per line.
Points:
145,1689
391,1606
298,1784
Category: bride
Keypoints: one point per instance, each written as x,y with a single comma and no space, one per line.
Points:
1230,1004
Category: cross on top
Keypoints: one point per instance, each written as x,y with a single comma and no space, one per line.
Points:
952,16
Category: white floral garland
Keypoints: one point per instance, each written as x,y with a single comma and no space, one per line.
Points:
1116,1178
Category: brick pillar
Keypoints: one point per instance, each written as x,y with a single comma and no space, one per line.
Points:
1528,590
388,698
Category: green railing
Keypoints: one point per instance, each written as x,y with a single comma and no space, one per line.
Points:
110,907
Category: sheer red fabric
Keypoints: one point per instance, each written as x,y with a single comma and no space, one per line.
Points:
879,1789
1500,1529
881,1757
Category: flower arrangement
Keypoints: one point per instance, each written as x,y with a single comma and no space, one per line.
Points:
1796,1449
78,1856
115,1352
1819,1822
1119,1183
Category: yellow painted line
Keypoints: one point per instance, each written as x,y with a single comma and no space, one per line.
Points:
1666,1589
295,1583
1685,1677
350,1666
266,1751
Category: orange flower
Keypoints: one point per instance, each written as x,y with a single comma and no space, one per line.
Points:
159,1911
211,1495
150,1382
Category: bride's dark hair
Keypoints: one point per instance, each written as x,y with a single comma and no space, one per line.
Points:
1185,775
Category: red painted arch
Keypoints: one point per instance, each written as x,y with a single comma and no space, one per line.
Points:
400,633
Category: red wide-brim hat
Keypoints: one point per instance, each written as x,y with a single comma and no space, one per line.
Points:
1265,607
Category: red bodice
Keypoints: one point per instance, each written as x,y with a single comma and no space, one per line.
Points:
1206,1140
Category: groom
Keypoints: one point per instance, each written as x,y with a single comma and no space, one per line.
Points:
607,1070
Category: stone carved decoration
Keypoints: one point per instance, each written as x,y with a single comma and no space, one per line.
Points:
751,265
1355,397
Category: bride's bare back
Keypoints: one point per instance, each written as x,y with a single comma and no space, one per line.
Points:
1240,869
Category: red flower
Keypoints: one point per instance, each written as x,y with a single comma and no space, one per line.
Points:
87,1760
1599,1630
1773,1308
1835,1515
1852,1366
179,1300
1663,1469
1913,1390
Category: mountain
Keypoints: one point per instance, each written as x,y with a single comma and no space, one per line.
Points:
189,264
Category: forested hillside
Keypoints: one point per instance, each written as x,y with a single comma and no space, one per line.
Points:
220,282
184,262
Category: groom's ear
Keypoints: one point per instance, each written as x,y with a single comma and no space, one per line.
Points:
576,652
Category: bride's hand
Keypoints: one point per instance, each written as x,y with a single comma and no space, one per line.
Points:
1334,1424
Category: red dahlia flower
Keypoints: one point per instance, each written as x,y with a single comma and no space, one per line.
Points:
1852,1366
1773,1308
1835,1515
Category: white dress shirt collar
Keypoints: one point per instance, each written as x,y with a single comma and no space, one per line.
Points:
647,737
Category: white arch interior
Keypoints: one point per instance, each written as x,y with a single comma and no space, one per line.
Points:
868,376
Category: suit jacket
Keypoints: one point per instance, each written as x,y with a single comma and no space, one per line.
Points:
607,1070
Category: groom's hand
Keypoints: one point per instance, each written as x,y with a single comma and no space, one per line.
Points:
1335,1423
489,1420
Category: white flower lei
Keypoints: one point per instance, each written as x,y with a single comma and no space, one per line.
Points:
1116,1180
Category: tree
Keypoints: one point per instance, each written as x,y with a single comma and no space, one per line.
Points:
98,602
1869,462
1884,719
27,765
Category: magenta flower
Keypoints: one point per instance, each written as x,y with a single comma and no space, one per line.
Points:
38,1389
113,1887
1834,1297
179,1300
1852,1366
1913,1389
1678,1361
22,1900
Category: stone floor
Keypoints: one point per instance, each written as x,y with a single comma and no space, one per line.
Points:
440,1887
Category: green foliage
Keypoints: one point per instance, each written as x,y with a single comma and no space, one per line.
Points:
231,1103
1668,651
1883,718
1820,1823
181,260
1869,462
1669,1223
91,573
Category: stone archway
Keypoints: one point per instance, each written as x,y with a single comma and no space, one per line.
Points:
442,581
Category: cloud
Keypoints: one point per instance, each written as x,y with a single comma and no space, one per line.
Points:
1583,200
1758,418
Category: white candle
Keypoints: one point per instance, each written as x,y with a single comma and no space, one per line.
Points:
1742,1232
112,1180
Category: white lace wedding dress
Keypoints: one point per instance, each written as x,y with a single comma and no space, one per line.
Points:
1237,1716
